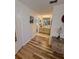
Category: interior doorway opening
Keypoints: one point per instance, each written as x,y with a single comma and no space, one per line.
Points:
43,24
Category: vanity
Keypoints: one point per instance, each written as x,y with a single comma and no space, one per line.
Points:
44,30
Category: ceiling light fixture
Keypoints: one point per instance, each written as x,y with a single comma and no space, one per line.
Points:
53,1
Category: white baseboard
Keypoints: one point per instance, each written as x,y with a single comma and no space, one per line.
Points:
29,40
24,44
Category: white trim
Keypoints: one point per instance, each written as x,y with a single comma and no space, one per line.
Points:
24,44
29,40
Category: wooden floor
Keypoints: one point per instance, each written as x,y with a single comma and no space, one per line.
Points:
37,48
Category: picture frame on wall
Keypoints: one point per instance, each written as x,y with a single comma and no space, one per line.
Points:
31,19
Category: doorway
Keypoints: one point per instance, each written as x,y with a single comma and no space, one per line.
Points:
43,25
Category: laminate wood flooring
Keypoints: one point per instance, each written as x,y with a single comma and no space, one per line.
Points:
37,48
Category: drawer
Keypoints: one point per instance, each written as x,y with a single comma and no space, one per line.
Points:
58,47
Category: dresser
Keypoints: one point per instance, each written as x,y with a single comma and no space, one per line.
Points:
58,45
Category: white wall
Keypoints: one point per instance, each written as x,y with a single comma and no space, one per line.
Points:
58,11
23,28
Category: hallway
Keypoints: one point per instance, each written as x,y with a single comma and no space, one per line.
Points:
37,21
37,48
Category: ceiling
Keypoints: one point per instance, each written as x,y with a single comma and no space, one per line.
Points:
41,6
